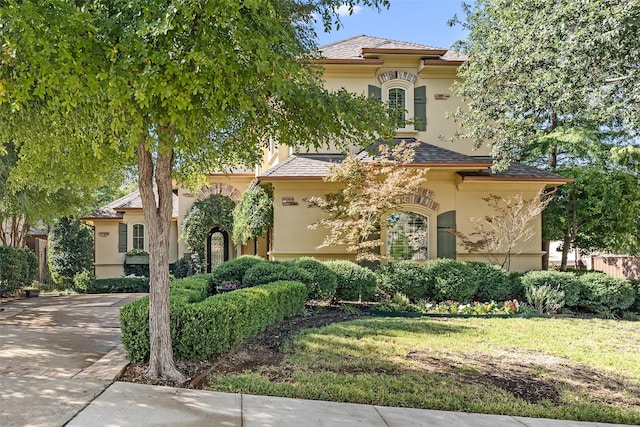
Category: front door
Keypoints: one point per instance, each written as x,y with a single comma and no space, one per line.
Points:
217,248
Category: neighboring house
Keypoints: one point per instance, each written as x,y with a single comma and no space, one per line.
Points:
415,77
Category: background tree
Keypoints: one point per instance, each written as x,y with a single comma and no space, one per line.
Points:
70,250
177,87
372,190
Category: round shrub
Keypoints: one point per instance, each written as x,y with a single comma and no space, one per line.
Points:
494,283
517,288
602,293
354,282
273,271
406,277
323,281
232,271
556,280
451,280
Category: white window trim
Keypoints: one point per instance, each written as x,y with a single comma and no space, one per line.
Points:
144,235
408,90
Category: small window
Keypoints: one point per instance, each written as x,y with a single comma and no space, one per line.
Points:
138,237
398,101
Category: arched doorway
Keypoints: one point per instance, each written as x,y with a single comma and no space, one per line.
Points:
217,248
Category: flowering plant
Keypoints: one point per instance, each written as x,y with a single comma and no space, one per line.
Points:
229,286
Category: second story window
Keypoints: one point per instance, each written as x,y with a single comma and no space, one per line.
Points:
138,237
398,101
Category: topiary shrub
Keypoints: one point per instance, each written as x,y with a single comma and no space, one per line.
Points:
408,278
118,285
232,271
273,271
323,281
182,268
602,294
494,283
70,250
557,280
452,280
354,282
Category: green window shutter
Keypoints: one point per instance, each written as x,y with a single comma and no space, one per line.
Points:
375,92
122,238
420,107
446,241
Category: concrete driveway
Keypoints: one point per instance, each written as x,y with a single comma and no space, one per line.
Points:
56,354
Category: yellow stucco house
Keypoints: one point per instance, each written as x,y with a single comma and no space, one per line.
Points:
413,76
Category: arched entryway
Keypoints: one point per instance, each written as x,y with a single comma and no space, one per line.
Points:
217,248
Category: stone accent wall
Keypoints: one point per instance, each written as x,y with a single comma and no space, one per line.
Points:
218,188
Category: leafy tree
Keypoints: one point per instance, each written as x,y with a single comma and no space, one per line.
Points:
496,236
70,250
178,88
539,69
371,190
253,215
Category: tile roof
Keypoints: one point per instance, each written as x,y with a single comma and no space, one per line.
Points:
515,171
351,48
304,165
427,154
115,209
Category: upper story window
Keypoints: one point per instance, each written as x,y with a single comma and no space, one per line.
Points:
398,101
138,236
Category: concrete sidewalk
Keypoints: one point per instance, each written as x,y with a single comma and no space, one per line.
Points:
126,404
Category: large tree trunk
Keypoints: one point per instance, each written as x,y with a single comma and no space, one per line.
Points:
566,245
545,257
157,215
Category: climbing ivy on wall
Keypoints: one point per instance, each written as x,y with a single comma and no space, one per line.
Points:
215,211
253,215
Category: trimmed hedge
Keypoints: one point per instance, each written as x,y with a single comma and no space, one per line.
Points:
567,282
18,267
273,271
494,283
232,271
354,282
323,281
407,277
452,280
136,270
215,325
118,285
603,294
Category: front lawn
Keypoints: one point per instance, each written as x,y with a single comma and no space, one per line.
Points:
578,369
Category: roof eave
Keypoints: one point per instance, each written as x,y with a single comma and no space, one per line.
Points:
414,52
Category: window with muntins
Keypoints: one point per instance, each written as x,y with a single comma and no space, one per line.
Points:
138,237
398,102
408,236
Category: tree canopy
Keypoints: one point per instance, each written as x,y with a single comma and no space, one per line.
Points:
179,87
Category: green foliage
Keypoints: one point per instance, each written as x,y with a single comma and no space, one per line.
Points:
253,215
139,270
602,294
215,325
323,281
545,299
354,282
214,212
636,304
118,285
566,282
82,281
182,268
494,283
232,271
272,271
452,280
406,277
70,250
18,268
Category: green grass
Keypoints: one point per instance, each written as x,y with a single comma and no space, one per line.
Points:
589,369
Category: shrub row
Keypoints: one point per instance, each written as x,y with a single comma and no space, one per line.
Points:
18,268
213,326
118,285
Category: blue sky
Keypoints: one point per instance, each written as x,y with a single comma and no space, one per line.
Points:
418,21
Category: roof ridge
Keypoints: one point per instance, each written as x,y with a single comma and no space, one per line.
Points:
343,40
117,202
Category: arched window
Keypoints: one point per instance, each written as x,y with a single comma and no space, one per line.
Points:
138,237
408,236
398,100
